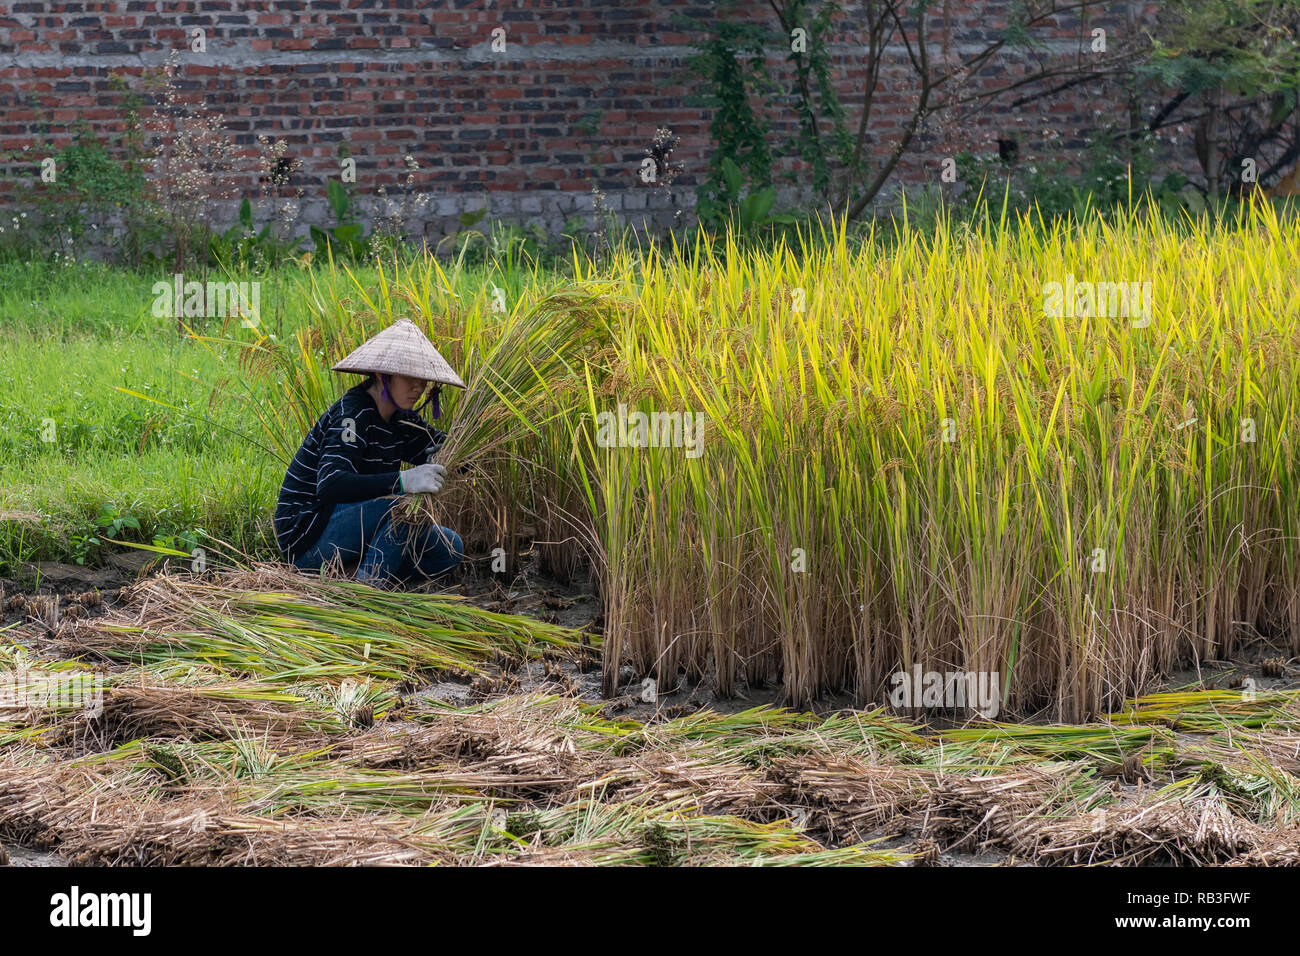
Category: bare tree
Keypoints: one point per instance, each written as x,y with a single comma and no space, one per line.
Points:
943,80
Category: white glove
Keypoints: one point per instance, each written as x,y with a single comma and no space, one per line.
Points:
424,479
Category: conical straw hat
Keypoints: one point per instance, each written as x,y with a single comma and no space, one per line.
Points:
401,349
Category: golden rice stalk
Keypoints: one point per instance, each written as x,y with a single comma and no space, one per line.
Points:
523,384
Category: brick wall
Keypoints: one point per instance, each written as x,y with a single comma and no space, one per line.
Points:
573,100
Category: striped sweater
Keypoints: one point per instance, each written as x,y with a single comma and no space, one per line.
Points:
350,454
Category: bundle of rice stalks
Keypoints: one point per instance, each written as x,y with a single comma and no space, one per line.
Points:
1249,788
547,713
557,747
588,833
520,387
306,629
326,786
131,709
1279,749
92,819
754,736
1280,849
851,798
1210,710
1183,833
1104,744
667,776
36,693
726,763
1004,809
537,357
531,762
261,775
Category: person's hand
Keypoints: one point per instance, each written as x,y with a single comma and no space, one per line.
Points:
424,479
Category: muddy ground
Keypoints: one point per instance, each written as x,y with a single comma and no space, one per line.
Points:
62,588
575,605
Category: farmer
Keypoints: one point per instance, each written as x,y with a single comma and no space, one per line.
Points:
334,500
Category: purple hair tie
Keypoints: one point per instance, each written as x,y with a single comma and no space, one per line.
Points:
436,410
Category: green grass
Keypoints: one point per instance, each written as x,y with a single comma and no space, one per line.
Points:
149,426
72,300
173,462
101,300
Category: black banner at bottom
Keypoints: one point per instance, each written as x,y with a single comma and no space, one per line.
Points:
143,906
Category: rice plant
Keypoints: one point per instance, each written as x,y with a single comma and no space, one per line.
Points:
292,628
909,456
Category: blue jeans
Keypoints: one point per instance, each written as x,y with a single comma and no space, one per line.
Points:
365,530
